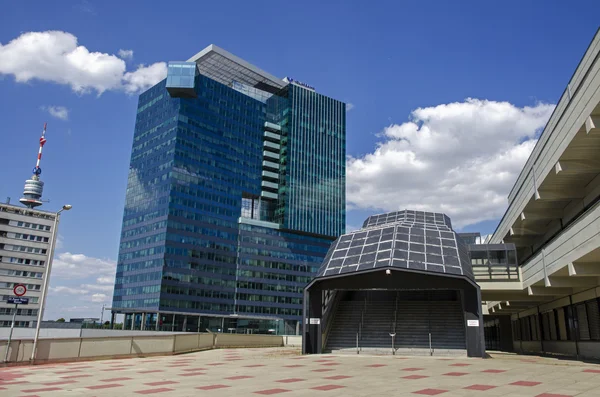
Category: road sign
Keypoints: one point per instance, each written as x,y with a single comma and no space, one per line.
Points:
18,301
20,290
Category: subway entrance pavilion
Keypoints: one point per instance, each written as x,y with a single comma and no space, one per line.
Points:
403,283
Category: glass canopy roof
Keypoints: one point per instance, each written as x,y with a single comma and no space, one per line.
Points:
412,240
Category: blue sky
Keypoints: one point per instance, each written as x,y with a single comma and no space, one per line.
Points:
406,67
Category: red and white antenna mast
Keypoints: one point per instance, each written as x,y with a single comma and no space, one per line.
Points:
33,187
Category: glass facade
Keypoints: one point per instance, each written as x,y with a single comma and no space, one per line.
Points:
207,229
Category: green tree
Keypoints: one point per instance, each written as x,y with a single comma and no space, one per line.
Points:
60,320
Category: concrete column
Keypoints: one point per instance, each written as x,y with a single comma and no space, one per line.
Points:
199,320
173,323
132,321
184,324
143,322
157,321
223,324
112,320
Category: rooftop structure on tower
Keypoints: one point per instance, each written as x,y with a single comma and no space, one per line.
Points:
32,194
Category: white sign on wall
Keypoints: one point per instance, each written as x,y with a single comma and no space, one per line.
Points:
472,323
315,321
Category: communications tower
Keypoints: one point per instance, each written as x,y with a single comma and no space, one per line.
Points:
32,194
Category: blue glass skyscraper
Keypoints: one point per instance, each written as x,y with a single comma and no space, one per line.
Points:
236,190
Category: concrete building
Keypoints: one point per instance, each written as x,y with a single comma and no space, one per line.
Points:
553,220
236,190
25,236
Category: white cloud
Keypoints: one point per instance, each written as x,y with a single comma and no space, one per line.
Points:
55,56
105,280
72,266
60,112
126,54
352,228
59,242
68,290
144,77
349,107
99,298
460,158
96,287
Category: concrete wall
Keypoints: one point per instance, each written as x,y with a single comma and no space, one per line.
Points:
29,333
576,241
72,349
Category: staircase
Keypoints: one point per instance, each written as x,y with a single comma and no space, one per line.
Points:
342,335
447,326
412,328
377,325
415,320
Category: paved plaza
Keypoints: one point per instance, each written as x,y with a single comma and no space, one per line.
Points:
255,372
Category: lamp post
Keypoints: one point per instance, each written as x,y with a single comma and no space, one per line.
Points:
65,207
102,316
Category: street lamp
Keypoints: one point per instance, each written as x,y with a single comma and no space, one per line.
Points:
65,207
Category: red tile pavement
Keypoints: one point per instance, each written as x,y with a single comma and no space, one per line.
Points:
161,383
214,364
456,374
106,386
459,365
430,392
330,364
593,371
239,377
322,370
83,367
193,374
178,365
194,369
42,389
260,365
337,377
70,372
268,392
76,376
150,371
412,369
327,387
494,371
480,387
107,369
525,383
30,395
415,377
290,380
58,383
114,379
376,365
212,387
294,366
552,395
154,391
323,361
16,382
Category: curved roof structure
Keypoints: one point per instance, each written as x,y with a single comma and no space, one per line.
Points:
224,67
411,240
